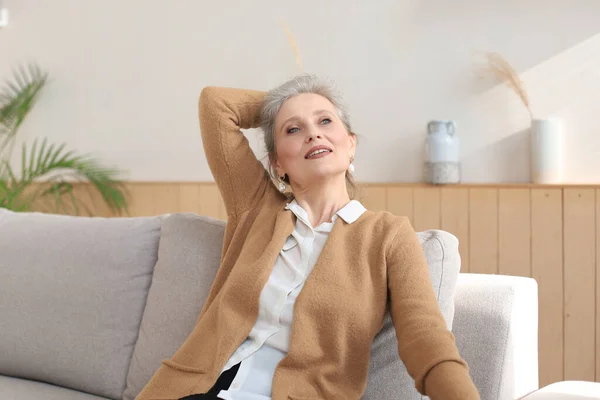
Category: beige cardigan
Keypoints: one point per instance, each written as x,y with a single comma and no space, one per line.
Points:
343,303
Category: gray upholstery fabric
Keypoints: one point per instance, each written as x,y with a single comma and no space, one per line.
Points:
388,378
488,354
189,254
21,389
496,328
188,259
72,294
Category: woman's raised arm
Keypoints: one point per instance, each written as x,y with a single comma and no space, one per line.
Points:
241,178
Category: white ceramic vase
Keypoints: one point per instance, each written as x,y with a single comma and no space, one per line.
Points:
547,151
442,164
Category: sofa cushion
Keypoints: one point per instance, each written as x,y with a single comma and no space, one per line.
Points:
72,294
189,257
21,389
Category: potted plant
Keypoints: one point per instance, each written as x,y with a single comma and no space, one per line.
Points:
50,177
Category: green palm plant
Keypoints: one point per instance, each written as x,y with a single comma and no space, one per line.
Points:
49,174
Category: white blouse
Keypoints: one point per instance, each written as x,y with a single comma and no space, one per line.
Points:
269,340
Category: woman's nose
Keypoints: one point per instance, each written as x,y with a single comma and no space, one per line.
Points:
311,135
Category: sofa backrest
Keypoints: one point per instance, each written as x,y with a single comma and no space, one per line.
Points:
96,304
72,294
189,255
188,259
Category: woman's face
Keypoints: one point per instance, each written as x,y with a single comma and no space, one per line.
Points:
304,124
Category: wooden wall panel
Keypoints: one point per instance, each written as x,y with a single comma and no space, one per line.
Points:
374,197
579,283
203,199
83,200
212,203
427,208
547,270
142,199
400,201
166,198
483,230
514,232
597,285
190,198
455,219
91,202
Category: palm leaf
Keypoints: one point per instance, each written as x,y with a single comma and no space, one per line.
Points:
4,190
48,172
58,190
17,98
12,191
52,171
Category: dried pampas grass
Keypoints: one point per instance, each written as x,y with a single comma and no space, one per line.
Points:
293,45
505,72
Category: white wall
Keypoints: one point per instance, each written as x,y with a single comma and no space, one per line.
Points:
126,74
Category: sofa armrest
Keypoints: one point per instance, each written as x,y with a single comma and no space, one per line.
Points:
567,390
496,329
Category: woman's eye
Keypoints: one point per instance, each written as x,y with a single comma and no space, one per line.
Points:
292,130
325,121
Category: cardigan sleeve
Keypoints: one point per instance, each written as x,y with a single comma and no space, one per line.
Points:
223,112
425,345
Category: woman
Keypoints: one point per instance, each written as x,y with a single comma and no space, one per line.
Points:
305,271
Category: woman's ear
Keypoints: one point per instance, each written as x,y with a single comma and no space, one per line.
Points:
352,138
276,166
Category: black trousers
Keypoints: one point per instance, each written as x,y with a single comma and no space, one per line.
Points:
223,383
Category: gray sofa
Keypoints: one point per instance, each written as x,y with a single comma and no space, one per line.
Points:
90,306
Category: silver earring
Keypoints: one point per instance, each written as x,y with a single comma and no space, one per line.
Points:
351,168
281,185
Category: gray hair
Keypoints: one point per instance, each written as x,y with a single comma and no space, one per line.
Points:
293,87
